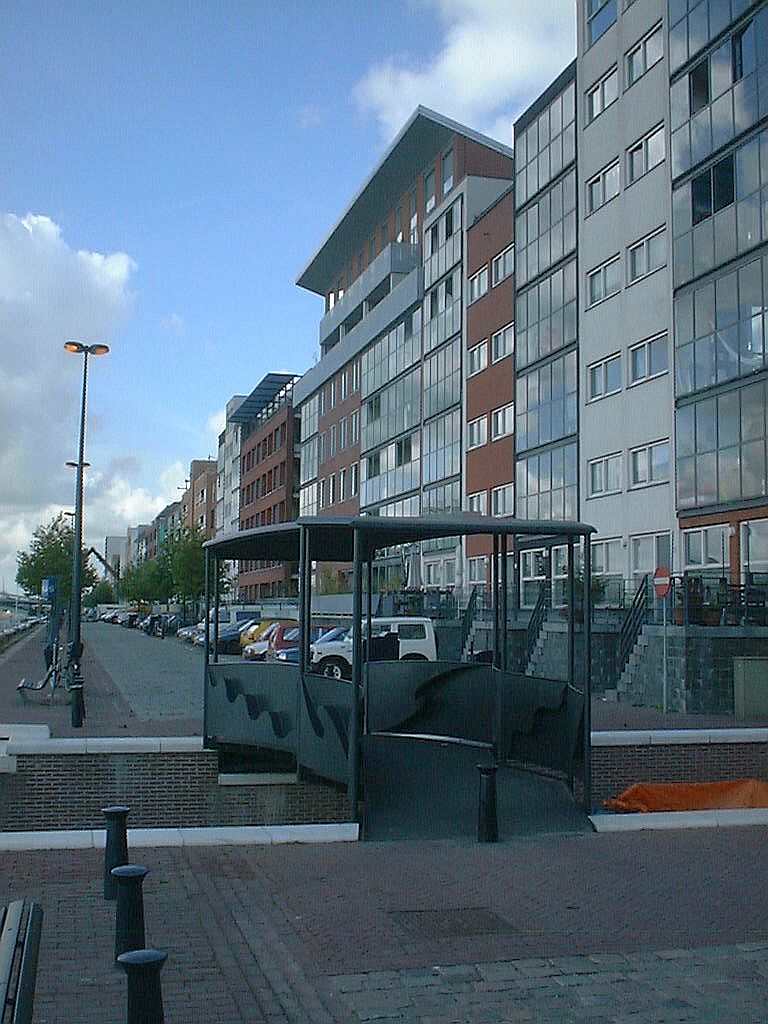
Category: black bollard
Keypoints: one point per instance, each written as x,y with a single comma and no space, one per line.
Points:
129,913
487,818
76,704
145,998
116,846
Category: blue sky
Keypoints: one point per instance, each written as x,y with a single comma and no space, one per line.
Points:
181,162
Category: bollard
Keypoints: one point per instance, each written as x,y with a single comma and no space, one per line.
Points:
76,704
116,847
145,998
487,818
129,913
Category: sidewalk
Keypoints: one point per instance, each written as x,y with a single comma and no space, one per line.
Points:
646,927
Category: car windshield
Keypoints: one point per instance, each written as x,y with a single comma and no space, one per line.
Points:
337,633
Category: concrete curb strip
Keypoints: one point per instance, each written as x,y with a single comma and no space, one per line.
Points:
347,832
679,819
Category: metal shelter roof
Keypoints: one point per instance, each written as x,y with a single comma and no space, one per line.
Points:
261,396
332,537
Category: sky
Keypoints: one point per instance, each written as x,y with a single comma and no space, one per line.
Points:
168,170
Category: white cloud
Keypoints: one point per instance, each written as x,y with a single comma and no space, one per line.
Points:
216,422
49,293
495,57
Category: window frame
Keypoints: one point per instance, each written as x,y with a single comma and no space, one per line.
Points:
589,19
507,265
505,416
602,364
644,245
633,485
600,269
641,47
481,278
600,178
508,330
646,344
603,461
503,489
641,144
481,350
480,423
598,88
480,500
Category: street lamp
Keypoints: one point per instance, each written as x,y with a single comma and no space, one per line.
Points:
75,649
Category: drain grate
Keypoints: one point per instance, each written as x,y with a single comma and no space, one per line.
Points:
451,924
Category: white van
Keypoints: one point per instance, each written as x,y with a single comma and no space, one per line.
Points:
415,638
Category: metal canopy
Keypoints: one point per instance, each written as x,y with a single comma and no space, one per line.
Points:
333,536
267,389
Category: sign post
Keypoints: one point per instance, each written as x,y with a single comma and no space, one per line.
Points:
662,581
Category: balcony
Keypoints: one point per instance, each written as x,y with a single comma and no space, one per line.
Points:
399,258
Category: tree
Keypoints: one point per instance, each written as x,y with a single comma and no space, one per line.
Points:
147,581
50,554
185,561
101,594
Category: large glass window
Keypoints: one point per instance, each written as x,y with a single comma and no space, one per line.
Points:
601,14
546,485
545,146
546,402
442,378
546,231
392,411
546,315
391,354
720,328
442,447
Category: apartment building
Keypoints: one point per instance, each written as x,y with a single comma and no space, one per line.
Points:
546,319
718,88
626,393
393,274
199,500
228,471
268,475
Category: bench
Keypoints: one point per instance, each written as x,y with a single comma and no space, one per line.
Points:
20,927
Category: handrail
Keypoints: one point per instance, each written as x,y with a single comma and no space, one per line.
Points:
632,625
535,623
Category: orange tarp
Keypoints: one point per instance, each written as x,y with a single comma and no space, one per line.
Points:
691,796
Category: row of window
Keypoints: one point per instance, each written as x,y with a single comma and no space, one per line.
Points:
647,359
502,345
338,487
502,425
646,465
265,484
641,57
546,231
545,146
338,436
502,501
642,258
641,157
273,442
546,315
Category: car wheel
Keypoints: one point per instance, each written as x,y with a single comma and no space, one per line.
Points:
333,668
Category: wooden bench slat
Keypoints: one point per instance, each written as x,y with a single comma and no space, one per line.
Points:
8,940
25,994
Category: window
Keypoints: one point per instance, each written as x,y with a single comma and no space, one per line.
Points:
478,569
503,265
503,500
413,236
343,386
706,548
604,377
478,502
332,489
321,445
373,409
342,485
477,432
643,56
478,284
477,358
713,190
432,574
373,465
601,14
398,223
743,52
645,154
503,421
605,475
356,375
648,359
602,94
604,281
649,464
603,187
342,433
446,172
647,255
323,494
698,86
503,343
429,191
354,426
354,479
403,451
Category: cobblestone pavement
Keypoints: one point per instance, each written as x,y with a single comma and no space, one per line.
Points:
641,928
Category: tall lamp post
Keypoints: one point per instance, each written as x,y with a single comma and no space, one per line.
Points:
75,650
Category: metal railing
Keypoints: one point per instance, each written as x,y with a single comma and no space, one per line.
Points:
538,615
632,625
468,618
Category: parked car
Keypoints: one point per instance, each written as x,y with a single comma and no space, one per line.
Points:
413,638
257,649
291,654
170,623
258,629
229,637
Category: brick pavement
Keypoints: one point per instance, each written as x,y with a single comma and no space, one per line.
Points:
642,927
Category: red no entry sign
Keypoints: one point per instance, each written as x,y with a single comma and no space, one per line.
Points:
662,581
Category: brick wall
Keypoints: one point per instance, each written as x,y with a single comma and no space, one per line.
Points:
173,789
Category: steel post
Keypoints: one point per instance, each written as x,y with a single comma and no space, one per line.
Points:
116,846
487,816
145,999
129,913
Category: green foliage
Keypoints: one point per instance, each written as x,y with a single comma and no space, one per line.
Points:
184,560
147,581
50,554
101,594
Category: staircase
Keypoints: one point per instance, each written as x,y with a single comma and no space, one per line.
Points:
632,668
